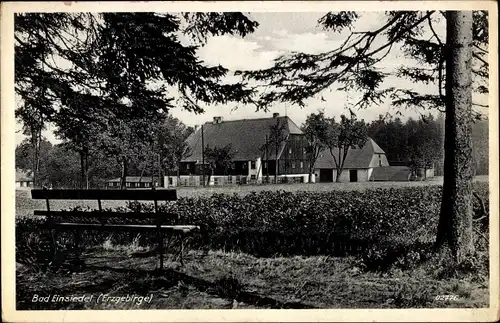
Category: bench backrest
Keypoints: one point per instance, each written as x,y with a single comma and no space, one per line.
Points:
99,194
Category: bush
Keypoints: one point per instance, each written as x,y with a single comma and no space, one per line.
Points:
383,226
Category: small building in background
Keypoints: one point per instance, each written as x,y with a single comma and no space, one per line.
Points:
359,164
23,179
134,182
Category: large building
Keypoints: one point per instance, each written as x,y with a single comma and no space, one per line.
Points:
259,152
257,156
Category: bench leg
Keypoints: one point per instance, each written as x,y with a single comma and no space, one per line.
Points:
76,243
160,248
182,250
54,243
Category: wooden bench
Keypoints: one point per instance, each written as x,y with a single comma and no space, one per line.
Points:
99,195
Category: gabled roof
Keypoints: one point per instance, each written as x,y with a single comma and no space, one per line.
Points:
23,176
356,158
246,136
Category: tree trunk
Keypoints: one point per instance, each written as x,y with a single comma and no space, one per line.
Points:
342,158
87,169
124,174
82,169
276,166
311,171
142,173
337,175
455,221
36,135
34,162
209,176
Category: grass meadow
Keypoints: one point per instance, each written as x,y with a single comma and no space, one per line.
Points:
223,277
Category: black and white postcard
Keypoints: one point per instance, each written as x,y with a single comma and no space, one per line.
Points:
250,161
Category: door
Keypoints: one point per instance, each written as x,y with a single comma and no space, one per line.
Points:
326,175
353,175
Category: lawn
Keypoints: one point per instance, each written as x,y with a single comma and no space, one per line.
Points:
224,280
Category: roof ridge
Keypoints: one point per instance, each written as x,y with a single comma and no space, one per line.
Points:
249,119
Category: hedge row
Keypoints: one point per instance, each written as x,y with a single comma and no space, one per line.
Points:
286,223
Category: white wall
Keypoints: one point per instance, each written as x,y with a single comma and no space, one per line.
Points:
363,175
257,171
173,180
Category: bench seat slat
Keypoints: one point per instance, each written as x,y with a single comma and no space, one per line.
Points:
104,214
100,194
126,227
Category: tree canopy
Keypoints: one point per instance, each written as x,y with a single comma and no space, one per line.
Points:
355,65
94,75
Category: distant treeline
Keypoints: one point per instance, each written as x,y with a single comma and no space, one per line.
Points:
404,144
423,139
62,166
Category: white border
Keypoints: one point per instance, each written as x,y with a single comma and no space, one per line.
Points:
347,315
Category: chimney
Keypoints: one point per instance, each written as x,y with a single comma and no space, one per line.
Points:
196,127
217,120
276,114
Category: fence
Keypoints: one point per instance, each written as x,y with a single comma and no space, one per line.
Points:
196,180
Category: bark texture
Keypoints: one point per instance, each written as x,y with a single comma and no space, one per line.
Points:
455,221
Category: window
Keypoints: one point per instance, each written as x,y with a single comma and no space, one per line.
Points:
293,164
253,177
127,184
265,165
170,181
252,164
301,164
147,184
290,150
187,166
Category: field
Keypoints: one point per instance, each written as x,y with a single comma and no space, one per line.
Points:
269,250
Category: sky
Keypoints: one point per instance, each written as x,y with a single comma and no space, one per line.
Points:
279,34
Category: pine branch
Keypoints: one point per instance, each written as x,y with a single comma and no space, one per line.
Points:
486,64
433,31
